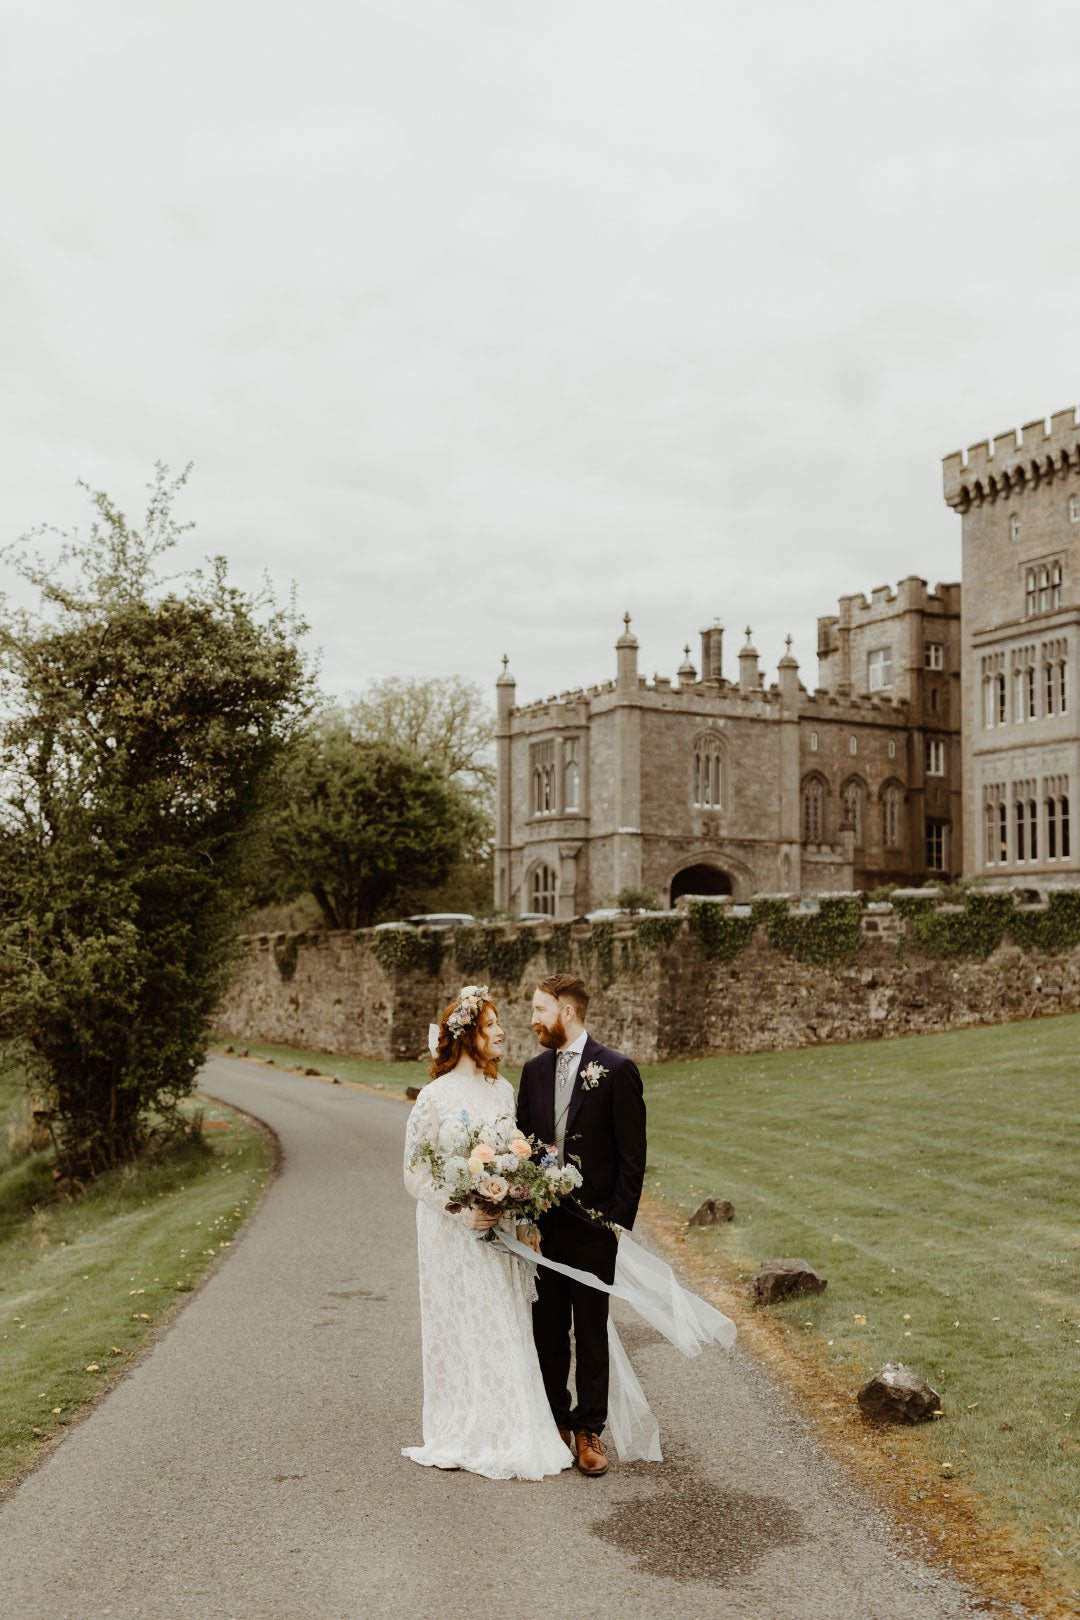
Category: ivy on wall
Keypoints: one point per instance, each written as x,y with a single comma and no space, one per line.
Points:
286,951
483,954
975,929
831,934
1055,929
399,951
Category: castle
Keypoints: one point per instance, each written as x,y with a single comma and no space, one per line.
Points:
938,740
1020,506
706,785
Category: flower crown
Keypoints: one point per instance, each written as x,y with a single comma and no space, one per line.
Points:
466,1009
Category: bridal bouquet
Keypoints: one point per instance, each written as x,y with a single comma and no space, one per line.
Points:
495,1168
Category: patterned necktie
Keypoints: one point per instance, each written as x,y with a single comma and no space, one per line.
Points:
563,1062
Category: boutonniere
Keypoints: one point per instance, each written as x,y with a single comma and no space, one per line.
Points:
592,1076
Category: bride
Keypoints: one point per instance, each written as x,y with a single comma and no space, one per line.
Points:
485,1407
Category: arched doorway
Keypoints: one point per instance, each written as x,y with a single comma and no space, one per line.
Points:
700,879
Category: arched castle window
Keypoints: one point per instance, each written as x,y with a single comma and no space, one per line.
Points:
708,777
813,810
542,890
892,811
1014,526
542,767
1055,585
571,774
1074,508
854,798
813,742
1002,699
1031,591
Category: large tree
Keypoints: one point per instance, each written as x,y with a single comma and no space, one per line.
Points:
142,721
365,823
443,719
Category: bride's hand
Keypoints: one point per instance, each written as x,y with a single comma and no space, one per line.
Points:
478,1220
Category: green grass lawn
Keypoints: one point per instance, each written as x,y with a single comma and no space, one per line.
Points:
83,1283
935,1182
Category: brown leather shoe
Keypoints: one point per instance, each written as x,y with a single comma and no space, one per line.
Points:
567,1438
591,1457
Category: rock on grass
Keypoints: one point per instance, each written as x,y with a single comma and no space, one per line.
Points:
897,1394
776,1279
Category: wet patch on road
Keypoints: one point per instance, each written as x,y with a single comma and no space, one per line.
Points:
693,1530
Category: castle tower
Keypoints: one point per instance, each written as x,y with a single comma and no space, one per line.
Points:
505,692
627,840
712,650
1019,501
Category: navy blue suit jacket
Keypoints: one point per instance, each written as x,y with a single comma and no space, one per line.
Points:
605,1126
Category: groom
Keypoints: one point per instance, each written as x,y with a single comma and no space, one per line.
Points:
587,1100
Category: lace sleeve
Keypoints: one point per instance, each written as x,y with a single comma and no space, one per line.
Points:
423,1126
510,1221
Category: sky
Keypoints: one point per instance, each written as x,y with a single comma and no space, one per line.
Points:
484,323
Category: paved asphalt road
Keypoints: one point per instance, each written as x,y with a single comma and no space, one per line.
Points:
249,1465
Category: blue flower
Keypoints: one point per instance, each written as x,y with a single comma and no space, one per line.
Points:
549,1159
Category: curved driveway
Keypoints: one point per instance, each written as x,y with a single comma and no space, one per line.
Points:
249,1466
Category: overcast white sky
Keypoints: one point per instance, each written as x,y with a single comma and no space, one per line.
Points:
486,321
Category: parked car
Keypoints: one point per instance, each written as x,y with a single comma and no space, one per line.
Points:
534,916
432,919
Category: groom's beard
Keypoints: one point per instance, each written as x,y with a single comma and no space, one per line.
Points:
555,1036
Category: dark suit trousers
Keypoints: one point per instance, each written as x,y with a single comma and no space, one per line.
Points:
563,1305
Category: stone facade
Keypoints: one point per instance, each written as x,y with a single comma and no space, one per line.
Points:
700,784
656,1002
1019,500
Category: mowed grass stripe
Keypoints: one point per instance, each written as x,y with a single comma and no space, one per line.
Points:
949,1168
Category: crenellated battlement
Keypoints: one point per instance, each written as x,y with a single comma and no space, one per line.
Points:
1013,462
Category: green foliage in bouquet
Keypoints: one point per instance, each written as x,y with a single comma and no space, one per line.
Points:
494,1168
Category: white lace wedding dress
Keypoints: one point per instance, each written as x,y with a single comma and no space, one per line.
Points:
484,1403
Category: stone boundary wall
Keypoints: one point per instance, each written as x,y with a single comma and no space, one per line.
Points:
658,993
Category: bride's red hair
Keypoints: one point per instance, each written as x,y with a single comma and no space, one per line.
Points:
450,1048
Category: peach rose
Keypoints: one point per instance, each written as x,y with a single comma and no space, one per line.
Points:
520,1148
495,1188
482,1151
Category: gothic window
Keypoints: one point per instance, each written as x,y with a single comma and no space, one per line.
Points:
1018,695
708,773
571,775
879,668
1050,689
813,810
935,845
1044,589
1032,704
934,655
853,744
990,829
892,805
1051,829
892,747
1020,830
813,742
542,766
988,703
1014,526
935,756
1063,687
1033,829
544,884
855,808
1002,703
1063,814
1031,591
1074,508
1003,832
1055,585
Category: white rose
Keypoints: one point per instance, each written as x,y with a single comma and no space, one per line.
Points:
507,1163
